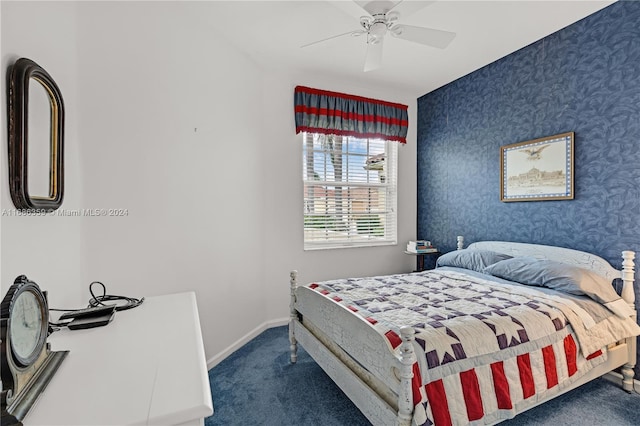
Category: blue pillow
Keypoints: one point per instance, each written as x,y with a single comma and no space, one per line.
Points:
475,260
561,277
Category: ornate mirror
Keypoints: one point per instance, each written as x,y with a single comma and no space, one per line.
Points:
36,138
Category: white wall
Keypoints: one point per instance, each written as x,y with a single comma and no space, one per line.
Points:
46,249
171,129
197,142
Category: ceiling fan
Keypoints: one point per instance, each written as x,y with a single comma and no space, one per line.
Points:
382,19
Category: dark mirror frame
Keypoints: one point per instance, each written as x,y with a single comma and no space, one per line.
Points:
20,75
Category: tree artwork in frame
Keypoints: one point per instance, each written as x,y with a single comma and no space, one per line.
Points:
538,170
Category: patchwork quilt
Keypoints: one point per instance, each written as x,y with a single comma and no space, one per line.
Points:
485,350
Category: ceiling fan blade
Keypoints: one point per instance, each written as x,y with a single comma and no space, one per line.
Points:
353,33
373,59
426,36
376,6
350,8
406,8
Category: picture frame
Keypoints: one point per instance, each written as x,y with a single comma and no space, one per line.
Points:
538,170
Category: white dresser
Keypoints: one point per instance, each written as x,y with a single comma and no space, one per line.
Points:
146,367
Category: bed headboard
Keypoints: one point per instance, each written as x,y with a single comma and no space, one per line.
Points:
573,257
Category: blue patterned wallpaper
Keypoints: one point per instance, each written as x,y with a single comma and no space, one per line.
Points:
584,78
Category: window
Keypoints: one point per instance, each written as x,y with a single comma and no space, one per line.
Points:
349,191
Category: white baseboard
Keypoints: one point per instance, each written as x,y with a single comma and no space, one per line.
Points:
616,378
216,359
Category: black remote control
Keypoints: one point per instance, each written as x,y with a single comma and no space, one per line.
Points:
89,312
91,322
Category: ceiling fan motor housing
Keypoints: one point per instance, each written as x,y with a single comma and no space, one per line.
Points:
377,25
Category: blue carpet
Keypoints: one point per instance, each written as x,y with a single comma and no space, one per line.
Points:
257,385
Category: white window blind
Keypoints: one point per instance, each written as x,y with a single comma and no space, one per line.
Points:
349,191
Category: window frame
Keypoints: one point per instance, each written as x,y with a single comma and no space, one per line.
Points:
352,233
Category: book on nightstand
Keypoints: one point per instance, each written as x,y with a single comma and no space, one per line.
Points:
420,246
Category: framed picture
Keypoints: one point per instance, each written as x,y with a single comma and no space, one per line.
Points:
537,170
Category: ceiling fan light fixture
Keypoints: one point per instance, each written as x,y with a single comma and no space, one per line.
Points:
378,29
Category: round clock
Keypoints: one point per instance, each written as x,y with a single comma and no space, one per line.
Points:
28,321
27,363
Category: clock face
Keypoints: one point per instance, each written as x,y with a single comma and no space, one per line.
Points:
26,330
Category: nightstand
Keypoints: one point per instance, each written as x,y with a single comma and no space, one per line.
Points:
420,263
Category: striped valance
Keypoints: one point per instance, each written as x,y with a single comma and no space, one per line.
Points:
321,111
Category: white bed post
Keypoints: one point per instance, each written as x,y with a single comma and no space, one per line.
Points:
629,296
293,344
407,359
460,240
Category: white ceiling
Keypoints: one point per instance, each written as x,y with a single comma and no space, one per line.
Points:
271,32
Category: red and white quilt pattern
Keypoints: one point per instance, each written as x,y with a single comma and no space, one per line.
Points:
485,351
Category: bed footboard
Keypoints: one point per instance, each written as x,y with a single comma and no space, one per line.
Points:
356,339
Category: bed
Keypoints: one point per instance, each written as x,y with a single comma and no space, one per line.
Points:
496,329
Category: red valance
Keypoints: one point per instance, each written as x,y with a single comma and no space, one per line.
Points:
322,111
